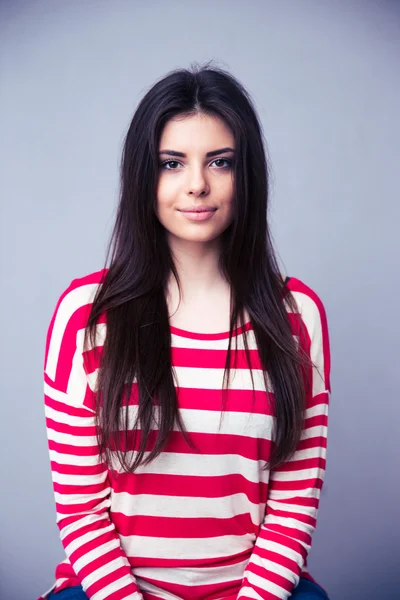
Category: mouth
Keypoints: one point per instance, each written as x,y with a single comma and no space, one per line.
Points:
198,213
198,209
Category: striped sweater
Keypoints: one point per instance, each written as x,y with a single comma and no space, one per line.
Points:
191,524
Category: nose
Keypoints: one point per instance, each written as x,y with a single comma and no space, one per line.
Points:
197,182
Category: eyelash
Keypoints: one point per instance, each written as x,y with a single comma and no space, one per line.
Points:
177,161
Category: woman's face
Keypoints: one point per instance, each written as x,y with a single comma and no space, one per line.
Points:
195,191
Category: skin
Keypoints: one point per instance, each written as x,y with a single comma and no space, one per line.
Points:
189,181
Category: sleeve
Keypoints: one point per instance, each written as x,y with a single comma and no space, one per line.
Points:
285,535
80,477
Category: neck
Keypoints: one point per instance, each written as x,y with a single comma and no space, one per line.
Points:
197,267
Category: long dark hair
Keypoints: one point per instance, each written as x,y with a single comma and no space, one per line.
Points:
132,292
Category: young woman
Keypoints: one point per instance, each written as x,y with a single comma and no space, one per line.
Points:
187,383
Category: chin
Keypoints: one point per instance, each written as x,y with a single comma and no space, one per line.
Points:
199,237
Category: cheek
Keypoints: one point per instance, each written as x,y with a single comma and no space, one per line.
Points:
167,190
165,197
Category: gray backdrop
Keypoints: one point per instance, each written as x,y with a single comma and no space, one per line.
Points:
324,78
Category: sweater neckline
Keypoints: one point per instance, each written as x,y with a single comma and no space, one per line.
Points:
195,335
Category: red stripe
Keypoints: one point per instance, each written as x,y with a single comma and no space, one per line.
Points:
68,409
296,534
70,429
213,359
270,534
294,484
85,488
83,470
74,450
72,509
209,336
302,518
101,520
302,501
309,463
111,578
182,527
277,558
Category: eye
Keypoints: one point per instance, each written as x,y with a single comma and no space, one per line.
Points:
226,160
168,162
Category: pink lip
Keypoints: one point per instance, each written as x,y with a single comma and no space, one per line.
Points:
200,208
199,214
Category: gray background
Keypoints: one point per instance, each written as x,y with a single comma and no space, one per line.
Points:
324,77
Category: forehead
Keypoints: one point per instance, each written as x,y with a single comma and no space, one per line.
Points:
196,131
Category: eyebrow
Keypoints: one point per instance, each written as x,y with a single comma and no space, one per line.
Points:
209,154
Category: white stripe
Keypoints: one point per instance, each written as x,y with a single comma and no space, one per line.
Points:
77,382
71,440
90,519
100,336
74,460
68,499
185,342
206,465
280,549
186,507
189,548
312,320
105,592
300,475
315,452
64,479
318,409
293,508
293,523
255,425
288,494
66,419
212,378
316,431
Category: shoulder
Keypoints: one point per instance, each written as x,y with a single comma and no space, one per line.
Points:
307,299
73,305
310,321
80,291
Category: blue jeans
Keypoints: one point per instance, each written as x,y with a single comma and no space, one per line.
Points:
306,590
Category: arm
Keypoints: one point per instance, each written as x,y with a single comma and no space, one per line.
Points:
80,478
285,536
